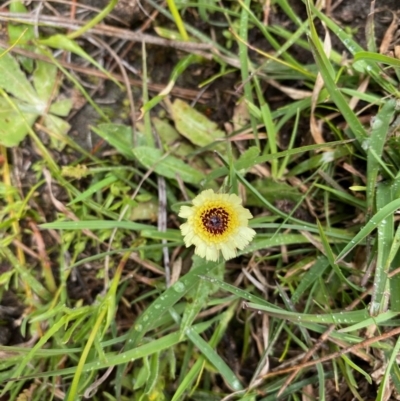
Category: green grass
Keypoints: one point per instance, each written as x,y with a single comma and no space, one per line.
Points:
113,306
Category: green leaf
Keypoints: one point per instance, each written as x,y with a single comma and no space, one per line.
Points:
142,374
94,225
58,128
118,136
360,57
14,81
44,80
13,129
154,373
248,156
167,166
22,34
384,385
385,230
309,278
149,318
380,58
144,211
97,187
369,227
329,76
169,137
61,107
56,125
374,145
15,30
359,317
14,125
199,294
215,359
331,257
195,126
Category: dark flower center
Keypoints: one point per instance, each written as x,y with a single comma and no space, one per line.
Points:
215,220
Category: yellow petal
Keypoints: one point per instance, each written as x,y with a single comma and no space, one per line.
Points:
185,212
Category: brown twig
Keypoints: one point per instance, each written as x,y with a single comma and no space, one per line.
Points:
124,76
107,30
44,257
337,354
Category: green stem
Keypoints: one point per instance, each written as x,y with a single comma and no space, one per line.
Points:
96,20
178,19
72,395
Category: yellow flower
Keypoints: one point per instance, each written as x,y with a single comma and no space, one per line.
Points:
216,222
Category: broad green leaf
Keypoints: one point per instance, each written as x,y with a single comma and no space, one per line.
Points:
14,81
248,156
61,107
118,136
173,142
14,125
168,33
44,80
167,166
22,34
15,30
170,137
58,128
145,211
56,125
13,129
194,126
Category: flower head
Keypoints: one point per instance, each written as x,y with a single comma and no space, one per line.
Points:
216,222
